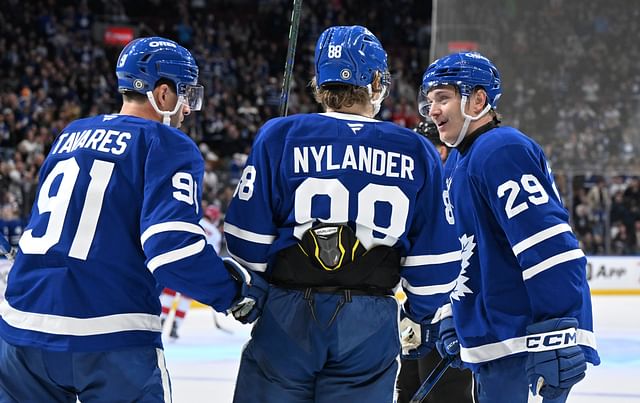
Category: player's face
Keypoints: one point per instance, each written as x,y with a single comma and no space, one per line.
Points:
444,110
178,117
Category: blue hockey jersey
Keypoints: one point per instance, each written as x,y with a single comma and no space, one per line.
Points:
116,215
12,230
381,179
521,262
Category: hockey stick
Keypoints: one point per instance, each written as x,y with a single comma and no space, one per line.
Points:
291,54
218,326
171,316
431,381
6,249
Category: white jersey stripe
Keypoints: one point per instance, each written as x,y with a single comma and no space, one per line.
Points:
539,237
170,226
424,260
175,255
69,326
494,351
429,289
443,312
248,235
164,375
261,267
551,262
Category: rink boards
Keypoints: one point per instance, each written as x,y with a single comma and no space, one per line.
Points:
607,275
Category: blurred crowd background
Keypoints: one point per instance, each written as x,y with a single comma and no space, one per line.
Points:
569,67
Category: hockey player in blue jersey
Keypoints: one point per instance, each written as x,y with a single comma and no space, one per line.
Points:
115,220
521,307
335,209
456,385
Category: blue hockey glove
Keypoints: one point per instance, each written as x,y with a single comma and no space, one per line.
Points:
417,339
555,361
448,345
253,292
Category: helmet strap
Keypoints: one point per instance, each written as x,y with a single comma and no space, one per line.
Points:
166,115
376,103
467,120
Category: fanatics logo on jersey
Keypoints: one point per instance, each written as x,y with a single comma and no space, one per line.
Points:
355,127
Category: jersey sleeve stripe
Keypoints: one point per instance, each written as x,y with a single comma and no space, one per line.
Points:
248,235
428,289
175,255
69,326
494,351
170,226
551,262
539,237
261,267
443,312
423,260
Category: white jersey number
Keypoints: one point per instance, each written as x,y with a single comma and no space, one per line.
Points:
531,184
339,209
186,189
244,190
58,204
448,207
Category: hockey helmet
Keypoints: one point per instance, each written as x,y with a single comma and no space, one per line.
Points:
213,213
465,71
350,55
144,61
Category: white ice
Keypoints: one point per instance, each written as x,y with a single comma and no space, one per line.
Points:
203,362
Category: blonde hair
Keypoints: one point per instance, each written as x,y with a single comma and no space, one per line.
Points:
338,96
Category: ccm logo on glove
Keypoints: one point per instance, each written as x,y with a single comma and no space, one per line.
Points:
551,340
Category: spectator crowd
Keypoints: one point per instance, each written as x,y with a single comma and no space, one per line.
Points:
56,68
576,90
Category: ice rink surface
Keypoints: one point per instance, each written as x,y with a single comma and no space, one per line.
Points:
203,362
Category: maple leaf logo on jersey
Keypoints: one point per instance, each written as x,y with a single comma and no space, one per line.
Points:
467,246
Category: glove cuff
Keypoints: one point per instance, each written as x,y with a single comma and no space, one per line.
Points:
552,334
235,269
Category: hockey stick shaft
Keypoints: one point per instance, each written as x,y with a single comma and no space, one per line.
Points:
431,381
217,324
291,55
171,317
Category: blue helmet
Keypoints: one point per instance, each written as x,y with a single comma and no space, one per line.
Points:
144,61
466,71
350,55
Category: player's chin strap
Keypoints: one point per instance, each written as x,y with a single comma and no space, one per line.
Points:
467,120
166,115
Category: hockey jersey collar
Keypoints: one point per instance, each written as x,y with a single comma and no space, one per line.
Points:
471,137
348,116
